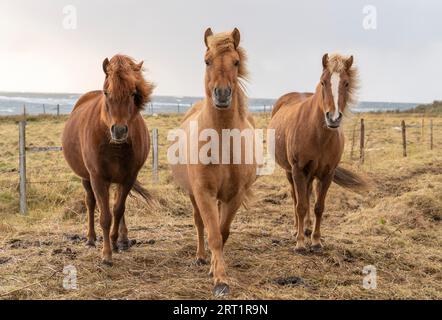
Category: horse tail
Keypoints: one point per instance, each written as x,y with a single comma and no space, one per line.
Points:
349,180
247,199
143,192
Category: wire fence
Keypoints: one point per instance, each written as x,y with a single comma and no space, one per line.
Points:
401,137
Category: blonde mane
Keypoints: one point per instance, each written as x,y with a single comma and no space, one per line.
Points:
337,63
222,43
124,76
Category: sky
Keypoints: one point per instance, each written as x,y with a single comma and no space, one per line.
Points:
42,49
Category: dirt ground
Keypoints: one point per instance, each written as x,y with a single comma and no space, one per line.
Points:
396,227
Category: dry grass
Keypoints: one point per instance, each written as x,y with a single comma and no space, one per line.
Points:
395,227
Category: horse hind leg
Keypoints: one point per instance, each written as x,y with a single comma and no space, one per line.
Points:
308,222
199,225
321,193
227,214
90,205
120,241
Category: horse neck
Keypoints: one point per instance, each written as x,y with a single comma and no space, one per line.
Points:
225,119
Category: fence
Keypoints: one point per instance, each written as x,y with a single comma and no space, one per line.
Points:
23,150
363,141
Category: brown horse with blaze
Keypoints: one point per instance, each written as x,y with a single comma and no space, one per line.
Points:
106,141
310,142
217,190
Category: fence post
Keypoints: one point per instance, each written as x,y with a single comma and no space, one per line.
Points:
22,165
353,141
431,134
58,110
178,108
24,112
44,109
422,129
362,143
404,138
155,156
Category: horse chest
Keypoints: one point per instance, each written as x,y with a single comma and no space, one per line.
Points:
117,161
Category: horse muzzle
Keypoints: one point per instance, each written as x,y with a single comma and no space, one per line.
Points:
119,134
222,97
331,122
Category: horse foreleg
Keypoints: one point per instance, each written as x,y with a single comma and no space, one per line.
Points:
199,225
209,213
90,205
321,193
101,191
119,209
301,191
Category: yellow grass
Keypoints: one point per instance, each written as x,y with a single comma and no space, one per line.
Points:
395,227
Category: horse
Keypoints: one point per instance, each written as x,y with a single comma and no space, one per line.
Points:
106,141
310,142
217,190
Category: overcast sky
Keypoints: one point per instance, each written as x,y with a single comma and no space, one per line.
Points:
400,61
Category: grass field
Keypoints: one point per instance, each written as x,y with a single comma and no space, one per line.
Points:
395,227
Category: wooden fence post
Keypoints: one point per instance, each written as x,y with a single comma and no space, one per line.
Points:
422,129
24,112
404,138
22,166
431,134
155,156
362,143
44,109
58,110
353,141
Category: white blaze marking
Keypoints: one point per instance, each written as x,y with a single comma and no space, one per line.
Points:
335,81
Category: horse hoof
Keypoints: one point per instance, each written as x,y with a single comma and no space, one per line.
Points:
90,244
107,262
308,232
301,250
123,245
221,290
200,262
317,248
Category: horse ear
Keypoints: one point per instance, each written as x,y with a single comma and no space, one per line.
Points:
105,64
207,34
325,61
349,63
139,66
236,37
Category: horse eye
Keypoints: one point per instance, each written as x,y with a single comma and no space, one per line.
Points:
323,83
106,93
236,63
346,84
207,62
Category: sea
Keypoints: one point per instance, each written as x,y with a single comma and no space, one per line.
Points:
13,103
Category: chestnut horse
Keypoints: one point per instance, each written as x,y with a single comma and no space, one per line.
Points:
218,190
106,141
310,142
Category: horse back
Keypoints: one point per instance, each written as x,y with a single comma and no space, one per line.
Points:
290,98
87,97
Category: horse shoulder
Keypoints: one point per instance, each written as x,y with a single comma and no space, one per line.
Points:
196,108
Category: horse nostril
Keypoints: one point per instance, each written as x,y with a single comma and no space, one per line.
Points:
228,91
125,129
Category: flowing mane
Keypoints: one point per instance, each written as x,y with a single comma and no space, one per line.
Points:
124,76
336,63
222,43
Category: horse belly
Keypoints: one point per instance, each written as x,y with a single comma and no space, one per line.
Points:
72,150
